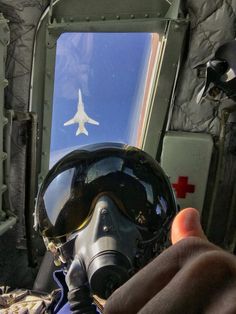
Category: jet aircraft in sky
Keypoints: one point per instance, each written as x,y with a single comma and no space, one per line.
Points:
81,117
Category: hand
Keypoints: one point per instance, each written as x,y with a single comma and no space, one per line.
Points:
191,276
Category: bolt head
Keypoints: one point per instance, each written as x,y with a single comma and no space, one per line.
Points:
104,211
105,228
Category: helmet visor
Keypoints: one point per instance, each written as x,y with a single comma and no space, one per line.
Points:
134,181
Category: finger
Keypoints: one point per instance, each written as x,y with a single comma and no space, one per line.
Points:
186,224
225,300
207,275
138,290
143,286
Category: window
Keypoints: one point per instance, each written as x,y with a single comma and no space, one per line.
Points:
110,74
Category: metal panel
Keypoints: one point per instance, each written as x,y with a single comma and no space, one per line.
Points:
47,103
4,40
163,88
186,158
136,25
74,10
5,223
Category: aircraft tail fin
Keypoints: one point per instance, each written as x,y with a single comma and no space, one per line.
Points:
81,129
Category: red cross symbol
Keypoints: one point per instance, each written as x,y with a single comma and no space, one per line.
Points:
182,187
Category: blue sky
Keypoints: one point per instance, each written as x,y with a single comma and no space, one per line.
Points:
110,71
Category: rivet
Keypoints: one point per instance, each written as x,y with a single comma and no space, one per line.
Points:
103,18
4,156
176,26
4,188
5,120
5,82
87,18
146,15
117,17
132,16
105,228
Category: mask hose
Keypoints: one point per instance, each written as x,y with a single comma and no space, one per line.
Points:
81,302
79,297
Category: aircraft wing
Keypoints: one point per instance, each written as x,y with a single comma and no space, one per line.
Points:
69,122
92,121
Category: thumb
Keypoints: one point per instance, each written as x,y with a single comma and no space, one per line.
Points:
186,224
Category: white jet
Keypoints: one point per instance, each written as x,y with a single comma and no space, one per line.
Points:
81,117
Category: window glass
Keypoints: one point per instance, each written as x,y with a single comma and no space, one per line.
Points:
100,88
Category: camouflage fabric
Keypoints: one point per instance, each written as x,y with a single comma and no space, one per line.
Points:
21,301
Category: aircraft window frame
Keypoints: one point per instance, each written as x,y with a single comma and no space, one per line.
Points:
164,74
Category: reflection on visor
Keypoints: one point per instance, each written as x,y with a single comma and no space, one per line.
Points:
104,167
60,187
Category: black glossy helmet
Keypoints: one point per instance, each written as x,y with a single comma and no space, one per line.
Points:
135,182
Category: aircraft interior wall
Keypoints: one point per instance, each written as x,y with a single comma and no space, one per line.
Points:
212,23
